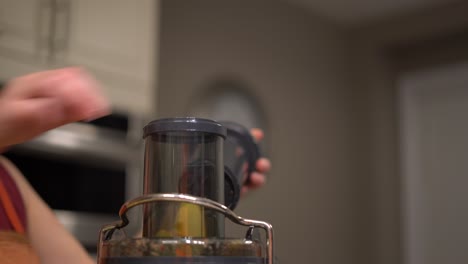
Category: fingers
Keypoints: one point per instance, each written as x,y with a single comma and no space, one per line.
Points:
257,134
263,165
26,119
78,94
83,97
37,84
44,100
257,180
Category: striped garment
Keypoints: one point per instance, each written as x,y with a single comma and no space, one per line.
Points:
12,210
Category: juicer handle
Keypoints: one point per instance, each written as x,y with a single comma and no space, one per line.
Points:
239,136
149,198
240,154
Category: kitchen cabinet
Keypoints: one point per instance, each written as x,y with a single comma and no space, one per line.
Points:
116,40
22,36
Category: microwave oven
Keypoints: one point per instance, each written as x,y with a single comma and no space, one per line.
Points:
85,171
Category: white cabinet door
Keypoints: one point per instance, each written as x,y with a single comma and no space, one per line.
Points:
24,26
116,41
435,165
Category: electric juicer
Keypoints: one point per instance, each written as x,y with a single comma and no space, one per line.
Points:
194,169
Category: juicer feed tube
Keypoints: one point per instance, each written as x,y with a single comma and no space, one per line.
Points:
183,155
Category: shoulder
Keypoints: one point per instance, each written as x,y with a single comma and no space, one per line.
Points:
16,175
9,167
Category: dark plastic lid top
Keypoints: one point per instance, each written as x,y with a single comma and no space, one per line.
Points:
193,124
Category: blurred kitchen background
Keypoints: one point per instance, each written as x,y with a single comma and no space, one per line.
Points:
362,103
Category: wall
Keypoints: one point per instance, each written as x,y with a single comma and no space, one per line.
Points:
381,50
296,64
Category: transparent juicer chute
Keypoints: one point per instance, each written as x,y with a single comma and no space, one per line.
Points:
183,203
183,155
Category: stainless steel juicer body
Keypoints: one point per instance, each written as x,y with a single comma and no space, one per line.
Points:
183,204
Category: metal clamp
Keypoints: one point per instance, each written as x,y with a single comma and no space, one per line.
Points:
194,200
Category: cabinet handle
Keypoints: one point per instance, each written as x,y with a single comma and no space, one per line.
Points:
61,27
2,25
44,25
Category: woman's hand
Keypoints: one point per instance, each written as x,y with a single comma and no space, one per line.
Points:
35,103
263,166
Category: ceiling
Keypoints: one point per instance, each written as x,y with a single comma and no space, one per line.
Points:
359,11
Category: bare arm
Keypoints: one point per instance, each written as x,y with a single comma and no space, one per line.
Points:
29,106
49,238
35,103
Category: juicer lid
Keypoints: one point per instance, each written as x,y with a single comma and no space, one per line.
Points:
189,124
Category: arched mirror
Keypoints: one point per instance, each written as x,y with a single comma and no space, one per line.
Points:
230,99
